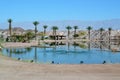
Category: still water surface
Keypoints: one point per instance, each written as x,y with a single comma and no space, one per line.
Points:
66,53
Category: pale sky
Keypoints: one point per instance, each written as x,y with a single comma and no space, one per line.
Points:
47,10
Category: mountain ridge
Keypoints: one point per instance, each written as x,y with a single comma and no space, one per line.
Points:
113,23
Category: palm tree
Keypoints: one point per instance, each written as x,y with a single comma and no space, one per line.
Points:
10,26
68,28
89,28
54,28
109,31
45,27
35,23
75,28
101,32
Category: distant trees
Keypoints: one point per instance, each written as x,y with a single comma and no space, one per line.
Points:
29,35
26,37
68,28
89,28
10,26
101,32
35,23
54,28
109,31
75,29
45,27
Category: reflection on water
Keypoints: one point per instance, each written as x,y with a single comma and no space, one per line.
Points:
69,53
11,51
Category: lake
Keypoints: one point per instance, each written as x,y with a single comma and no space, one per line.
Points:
67,53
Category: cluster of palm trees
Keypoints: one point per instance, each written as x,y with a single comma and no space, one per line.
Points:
101,32
55,28
89,28
35,24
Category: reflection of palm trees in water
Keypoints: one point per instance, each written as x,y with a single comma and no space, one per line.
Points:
75,44
54,48
45,52
10,55
89,46
35,56
9,51
68,48
103,45
109,45
28,49
17,51
100,45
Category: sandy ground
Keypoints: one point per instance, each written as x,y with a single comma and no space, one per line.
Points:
33,43
18,70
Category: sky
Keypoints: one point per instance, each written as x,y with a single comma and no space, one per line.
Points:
51,10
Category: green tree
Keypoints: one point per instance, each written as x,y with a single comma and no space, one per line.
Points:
89,28
101,32
29,35
45,27
54,28
109,31
10,26
68,28
35,23
75,30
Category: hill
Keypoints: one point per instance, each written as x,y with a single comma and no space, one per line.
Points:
114,23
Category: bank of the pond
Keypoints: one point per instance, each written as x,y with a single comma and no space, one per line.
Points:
16,70
18,44
33,43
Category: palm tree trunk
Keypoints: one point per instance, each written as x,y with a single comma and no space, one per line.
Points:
109,35
74,34
35,32
109,40
68,33
55,35
53,32
101,35
44,31
10,29
89,34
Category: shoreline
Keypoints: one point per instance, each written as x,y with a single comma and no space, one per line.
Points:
35,43
18,70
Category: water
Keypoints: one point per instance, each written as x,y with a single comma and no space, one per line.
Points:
67,53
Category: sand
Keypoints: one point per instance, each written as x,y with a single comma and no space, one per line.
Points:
18,70
33,43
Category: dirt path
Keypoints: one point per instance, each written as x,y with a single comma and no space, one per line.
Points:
17,70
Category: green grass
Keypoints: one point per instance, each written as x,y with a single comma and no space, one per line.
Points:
1,40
